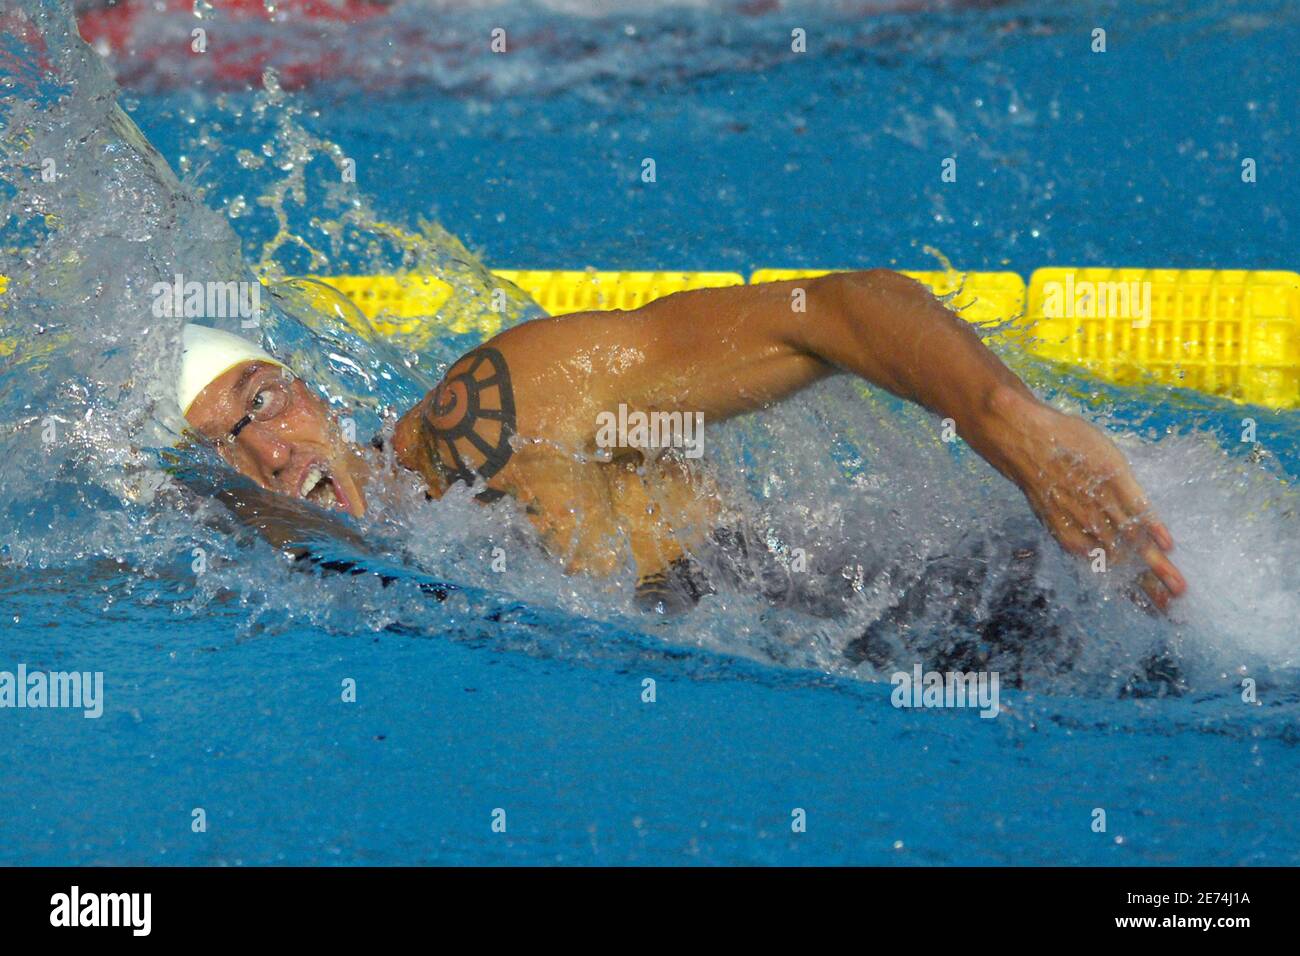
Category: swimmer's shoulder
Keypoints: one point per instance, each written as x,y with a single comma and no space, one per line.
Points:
553,369
556,335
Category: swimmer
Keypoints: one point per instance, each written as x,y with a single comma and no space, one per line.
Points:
519,417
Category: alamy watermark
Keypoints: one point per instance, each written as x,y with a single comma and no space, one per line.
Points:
78,690
637,429
130,910
1085,299
208,300
946,689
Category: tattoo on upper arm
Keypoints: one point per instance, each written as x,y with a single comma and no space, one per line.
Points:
471,418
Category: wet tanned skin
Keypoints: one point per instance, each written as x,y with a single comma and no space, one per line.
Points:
471,419
587,511
278,454
521,413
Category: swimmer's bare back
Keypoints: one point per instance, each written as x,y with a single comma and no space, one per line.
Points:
522,413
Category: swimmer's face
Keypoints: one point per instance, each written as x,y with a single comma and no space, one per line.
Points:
270,427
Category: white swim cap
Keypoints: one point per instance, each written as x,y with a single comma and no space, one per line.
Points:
206,355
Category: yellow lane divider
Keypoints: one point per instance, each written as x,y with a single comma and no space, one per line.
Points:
562,292
1232,333
382,299
1227,332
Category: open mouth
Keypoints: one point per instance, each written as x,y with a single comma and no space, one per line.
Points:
319,487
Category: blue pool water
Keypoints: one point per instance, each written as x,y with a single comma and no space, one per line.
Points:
524,692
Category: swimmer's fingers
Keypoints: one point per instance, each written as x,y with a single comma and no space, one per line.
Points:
1136,506
1142,533
1155,590
1161,582
1086,521
1164,570
1085,494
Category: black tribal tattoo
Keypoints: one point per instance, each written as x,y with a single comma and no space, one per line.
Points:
471,419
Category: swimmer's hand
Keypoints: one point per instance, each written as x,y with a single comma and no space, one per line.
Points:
1083,491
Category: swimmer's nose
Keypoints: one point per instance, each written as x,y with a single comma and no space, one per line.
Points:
272,452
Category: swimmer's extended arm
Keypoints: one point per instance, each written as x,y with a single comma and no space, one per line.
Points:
892,331
727,351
